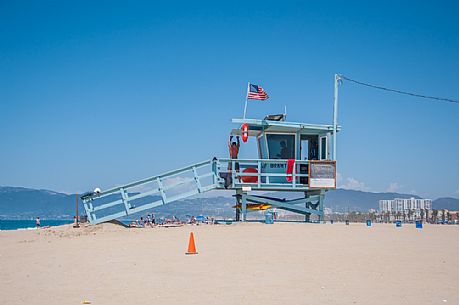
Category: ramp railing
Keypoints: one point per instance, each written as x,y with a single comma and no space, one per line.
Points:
148,193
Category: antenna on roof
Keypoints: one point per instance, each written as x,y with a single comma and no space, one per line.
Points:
285,111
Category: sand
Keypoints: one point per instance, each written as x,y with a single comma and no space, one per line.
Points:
250,263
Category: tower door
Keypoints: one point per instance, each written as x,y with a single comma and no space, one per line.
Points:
309,147
304,149
309,151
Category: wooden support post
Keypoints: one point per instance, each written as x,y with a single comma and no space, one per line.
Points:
307,217
244,206
321,205
238,202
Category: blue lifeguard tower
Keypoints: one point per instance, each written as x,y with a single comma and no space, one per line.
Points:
312,170
292,157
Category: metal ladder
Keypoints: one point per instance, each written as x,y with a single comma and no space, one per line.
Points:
151,192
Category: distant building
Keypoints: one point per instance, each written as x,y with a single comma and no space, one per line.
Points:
404,209
443,216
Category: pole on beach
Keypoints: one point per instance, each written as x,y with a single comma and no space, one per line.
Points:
76,224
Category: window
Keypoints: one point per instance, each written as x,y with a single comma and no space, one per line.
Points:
262,153
323,144
281,146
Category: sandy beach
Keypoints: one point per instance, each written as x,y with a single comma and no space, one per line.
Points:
245,263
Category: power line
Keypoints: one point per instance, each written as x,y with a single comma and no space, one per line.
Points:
400,92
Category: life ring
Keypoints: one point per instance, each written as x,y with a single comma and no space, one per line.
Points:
245,132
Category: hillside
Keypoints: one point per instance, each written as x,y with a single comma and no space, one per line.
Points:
24,203
448,203
19,202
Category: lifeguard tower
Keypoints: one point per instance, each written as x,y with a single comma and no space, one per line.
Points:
292,157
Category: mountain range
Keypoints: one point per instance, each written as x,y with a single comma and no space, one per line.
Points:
26,203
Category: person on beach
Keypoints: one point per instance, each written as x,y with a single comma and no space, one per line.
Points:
149,220
37,222
76,222
233,148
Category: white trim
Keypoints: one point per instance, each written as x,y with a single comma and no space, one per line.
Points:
285,124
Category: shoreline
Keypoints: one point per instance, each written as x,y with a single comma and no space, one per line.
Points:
63,222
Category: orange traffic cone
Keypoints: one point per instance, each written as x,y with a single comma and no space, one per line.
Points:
191,245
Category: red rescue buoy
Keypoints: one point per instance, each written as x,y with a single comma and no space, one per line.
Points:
249,179
245,132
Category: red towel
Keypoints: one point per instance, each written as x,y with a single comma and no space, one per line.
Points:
290,163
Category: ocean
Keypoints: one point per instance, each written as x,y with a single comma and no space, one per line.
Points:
30,224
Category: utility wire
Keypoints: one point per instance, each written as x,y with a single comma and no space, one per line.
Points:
400,92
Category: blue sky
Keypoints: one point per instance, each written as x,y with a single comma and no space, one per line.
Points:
98,94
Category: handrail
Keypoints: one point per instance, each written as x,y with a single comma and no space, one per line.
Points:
263,160
264,173
168,174
242,162
203,179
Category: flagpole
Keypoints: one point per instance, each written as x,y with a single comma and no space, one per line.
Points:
246,98
335,114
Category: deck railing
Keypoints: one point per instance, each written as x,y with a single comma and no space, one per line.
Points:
263,173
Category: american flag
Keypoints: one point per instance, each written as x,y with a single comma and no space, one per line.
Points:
255,92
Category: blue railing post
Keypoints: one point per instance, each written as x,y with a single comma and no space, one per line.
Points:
88,212
259,173
294,174
233,172
125,198
161,190
214,171
196,179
